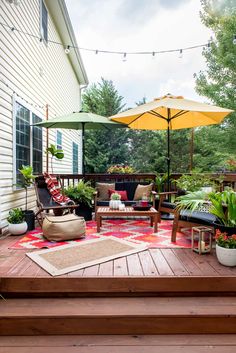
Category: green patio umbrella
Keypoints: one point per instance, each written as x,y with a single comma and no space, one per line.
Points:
81,121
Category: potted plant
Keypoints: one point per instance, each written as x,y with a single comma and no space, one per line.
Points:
17,224
26,181
225,248
55,153
194,182
82,194
223,206
115,201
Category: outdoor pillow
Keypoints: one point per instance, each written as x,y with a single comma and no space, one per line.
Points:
102,189
122,193
142,189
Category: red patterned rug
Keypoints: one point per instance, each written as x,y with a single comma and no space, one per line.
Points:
137,231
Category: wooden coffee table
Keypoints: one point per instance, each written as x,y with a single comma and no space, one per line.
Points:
128,211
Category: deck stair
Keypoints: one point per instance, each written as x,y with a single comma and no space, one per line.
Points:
133,306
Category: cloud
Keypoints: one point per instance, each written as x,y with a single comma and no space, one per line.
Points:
135,25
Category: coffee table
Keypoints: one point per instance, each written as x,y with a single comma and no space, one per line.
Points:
128,211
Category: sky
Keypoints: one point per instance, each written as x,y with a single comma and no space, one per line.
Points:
141,25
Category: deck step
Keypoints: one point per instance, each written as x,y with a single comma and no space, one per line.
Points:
119,344
117,286
143,315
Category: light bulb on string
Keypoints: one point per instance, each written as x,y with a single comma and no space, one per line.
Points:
67,50
124,57
234,40
181,53
153,55
96,52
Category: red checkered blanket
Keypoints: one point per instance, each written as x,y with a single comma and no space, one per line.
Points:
55,190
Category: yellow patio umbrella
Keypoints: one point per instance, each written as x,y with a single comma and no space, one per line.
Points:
171,113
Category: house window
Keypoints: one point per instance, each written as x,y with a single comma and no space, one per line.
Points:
28,141
43,21
59,140
75,158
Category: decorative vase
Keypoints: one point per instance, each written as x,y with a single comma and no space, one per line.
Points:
225,256
114,204
17,229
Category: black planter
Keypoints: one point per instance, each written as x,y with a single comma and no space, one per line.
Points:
84,211
30,219
225,229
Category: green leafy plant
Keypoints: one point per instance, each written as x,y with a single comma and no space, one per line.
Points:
120,169
82,193
221,204
26,180
55,153
225,241
160,181
115,196
193,182
16,216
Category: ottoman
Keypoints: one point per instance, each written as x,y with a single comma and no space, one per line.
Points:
61,228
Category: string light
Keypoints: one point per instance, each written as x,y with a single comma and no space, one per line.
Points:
67,50
181,53
234,40
124,57
23,98
96,51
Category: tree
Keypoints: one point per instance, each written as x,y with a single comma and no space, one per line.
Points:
104,148
218,82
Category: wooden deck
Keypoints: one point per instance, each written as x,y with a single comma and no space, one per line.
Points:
120,344
171,295
152,262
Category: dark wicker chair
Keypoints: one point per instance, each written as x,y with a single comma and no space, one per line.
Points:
45,202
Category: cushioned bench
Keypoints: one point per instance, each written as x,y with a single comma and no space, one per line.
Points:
187,219
133,194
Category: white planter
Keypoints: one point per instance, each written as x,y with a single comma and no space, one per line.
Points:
114,204
226,257
17,229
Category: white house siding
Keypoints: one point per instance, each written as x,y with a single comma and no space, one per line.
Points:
22,58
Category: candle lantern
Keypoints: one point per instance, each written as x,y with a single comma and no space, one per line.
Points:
202,239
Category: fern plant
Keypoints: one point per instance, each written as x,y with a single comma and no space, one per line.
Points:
221,204
82,193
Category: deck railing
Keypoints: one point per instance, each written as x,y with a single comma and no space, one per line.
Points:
228,179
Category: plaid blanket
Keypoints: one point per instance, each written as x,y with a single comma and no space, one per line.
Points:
55,190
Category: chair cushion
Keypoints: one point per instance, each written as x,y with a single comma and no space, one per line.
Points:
102,189
142,189
129,186
198,217
167,204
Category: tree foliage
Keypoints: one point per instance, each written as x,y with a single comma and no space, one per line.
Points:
218,81
104,147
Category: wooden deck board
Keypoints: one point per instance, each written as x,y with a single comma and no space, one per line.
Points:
152,262
121,343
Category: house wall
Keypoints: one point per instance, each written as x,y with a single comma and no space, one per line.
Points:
39,74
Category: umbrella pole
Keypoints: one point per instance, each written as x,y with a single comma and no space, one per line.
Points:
168,151
83,166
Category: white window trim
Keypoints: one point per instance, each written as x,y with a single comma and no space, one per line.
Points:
40,21
15,100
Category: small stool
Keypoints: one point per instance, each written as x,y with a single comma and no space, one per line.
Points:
61,228
204,235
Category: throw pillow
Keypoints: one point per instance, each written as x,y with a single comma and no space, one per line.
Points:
122,193
142,189
102,189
